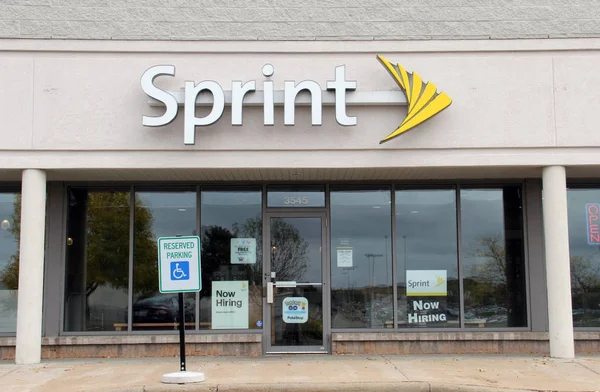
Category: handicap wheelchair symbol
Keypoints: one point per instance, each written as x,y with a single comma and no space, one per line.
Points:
180,270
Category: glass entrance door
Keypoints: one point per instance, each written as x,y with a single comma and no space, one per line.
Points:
296,315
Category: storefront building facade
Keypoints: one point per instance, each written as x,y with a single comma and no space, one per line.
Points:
324,226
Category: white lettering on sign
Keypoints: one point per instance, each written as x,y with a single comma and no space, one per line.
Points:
238,91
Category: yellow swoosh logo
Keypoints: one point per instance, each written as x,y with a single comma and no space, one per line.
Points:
423,99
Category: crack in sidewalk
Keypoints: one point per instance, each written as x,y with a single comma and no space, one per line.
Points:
586,367
389,361
7,373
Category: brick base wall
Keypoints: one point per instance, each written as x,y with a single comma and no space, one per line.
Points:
141,346
457,343
535,343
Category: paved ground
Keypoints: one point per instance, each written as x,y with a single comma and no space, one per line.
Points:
312,373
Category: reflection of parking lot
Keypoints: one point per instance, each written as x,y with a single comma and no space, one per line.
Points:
162,308
585,317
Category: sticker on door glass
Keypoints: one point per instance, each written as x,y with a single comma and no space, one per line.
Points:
295,310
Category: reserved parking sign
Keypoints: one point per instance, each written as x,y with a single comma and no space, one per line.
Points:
179,267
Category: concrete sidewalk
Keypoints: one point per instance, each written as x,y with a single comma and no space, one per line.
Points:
312,373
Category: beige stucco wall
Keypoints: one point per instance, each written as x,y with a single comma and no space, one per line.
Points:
515,103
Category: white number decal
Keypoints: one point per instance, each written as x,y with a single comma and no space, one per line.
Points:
295,200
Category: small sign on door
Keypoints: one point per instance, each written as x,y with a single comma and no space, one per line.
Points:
295,310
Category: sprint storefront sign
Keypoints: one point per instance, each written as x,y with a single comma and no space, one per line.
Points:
422,286
422,98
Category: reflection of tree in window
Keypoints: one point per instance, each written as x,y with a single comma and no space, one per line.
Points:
585,287
145,251
288,251
98,256
487,282
493,269
10,274
108,244
585,277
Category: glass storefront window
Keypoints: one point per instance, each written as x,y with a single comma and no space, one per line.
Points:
427,258
584,247
425,249
10,217
231,228
167,213
97,270
361,259
493,257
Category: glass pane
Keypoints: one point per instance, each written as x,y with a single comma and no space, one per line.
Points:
97,272
427,257
361,262
159,214
10,218
493,263
584,247
231,296
296,196
297,312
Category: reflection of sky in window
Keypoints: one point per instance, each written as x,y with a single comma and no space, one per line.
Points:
173,213
578,242
363,219
426,231
482,217
8,243
225,208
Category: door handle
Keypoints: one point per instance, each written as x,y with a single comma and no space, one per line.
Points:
269,292
282,283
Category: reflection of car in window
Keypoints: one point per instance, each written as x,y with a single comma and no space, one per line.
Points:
159,309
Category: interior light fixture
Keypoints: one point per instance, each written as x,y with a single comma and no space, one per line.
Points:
5,225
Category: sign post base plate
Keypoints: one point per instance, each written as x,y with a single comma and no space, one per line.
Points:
182,377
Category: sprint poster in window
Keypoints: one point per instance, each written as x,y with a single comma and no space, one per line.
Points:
429,284
230,304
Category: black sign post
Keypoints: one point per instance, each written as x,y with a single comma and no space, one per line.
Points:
181,334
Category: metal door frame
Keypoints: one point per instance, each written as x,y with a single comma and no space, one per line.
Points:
308,213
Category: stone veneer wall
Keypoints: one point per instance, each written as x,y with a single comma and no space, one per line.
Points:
198,20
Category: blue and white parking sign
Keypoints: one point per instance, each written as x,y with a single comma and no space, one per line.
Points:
179,267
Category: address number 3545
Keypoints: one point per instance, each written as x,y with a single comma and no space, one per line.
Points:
296,200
